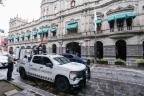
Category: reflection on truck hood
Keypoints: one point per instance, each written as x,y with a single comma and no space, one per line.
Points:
73,66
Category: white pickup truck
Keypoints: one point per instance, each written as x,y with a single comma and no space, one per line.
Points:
54,68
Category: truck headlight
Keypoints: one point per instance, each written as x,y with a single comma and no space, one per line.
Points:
73,75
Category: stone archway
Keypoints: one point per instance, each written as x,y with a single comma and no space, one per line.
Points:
121,49
73,48
54,48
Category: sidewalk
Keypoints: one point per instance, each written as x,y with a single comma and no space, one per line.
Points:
27,90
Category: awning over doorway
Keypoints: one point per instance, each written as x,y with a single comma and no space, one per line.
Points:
17,36
130,15
27,35
22,36
40,32
111,18
45,30
34,33
10,38
72,26
99,21
53,30
120,16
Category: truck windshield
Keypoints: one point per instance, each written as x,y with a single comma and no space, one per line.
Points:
62,60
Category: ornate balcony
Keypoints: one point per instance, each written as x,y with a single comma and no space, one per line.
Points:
116,34
84,35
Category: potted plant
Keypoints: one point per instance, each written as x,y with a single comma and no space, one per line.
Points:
120,62
140,62
102,61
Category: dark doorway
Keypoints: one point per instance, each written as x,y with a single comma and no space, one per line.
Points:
121,49
143,49
73,48
99,49
54,48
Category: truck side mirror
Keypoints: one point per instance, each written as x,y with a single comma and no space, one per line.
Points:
49,65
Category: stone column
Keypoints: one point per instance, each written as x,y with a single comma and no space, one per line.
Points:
60,47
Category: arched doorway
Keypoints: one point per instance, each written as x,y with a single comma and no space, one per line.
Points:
54,48
99,49
73,48
121,49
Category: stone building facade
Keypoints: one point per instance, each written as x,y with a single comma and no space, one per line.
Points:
88,28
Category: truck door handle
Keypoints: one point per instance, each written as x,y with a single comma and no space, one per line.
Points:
30,65
41,67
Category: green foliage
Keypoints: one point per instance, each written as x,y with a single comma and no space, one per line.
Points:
102,61
140,62
120,62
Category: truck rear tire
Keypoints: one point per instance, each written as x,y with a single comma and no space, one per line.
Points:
62,84
22,73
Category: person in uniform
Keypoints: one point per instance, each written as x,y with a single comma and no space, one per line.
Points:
10,66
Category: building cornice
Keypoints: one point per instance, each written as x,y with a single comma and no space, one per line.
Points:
61,14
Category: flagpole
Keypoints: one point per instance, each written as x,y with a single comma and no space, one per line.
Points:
95,44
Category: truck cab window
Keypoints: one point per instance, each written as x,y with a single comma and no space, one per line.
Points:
46,60
37,59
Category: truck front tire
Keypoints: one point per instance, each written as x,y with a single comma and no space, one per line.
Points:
62,84
22,73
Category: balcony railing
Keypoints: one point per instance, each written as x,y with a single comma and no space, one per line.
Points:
80,35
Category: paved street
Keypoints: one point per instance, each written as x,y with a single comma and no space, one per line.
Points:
104,79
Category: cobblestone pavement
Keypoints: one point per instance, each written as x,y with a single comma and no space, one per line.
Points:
98,73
